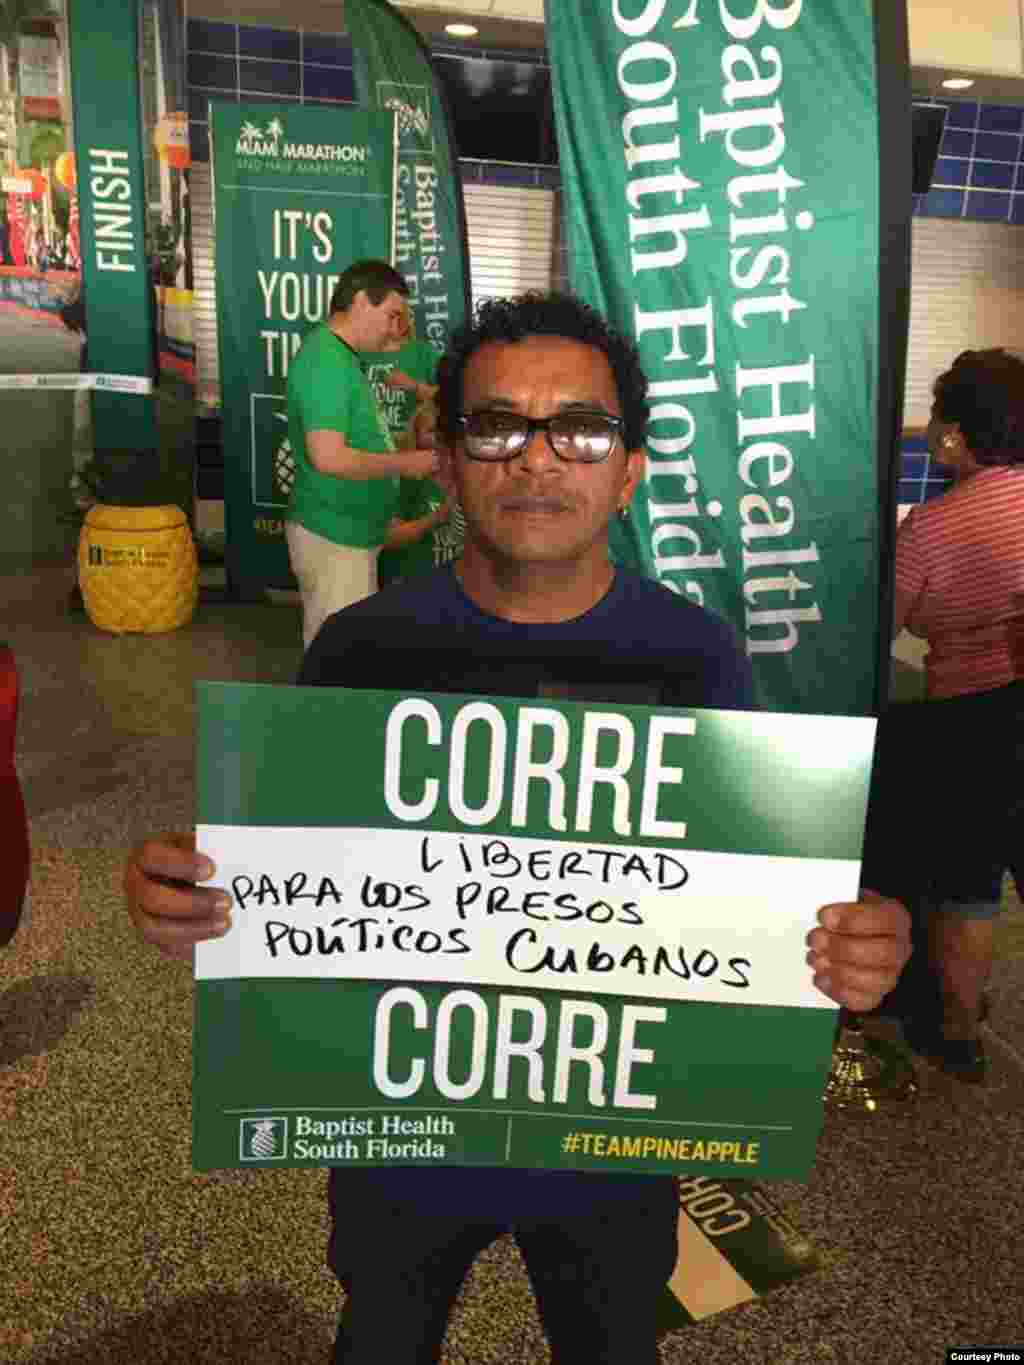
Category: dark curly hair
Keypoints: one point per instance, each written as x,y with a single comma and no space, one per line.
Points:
983,392
544,314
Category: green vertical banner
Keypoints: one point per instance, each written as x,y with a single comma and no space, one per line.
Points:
104,47
299,194
720,171
393,71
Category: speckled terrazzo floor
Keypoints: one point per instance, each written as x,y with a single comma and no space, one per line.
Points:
113,1253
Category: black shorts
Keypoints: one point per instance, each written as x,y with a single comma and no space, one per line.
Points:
598,1276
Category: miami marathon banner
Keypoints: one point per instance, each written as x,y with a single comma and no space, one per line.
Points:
720,170
299,194
393,71
471,932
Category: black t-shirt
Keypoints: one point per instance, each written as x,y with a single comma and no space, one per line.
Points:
642,645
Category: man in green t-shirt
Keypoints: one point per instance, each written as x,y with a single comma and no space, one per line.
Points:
346,465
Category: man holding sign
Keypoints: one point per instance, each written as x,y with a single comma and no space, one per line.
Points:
542,409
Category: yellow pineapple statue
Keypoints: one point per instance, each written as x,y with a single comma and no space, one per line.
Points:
137,568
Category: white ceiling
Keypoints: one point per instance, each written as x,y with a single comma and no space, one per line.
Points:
532,11
502,23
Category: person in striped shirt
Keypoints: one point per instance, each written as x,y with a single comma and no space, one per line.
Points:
960,585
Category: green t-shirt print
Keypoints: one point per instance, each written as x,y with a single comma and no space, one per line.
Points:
418,498
418,360
328,391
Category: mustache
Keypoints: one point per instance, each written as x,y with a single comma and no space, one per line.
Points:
536,502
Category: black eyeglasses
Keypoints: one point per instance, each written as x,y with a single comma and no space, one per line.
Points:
576,436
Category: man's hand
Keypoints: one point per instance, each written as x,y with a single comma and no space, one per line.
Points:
166,906
860,949
424,424
420,464
398,379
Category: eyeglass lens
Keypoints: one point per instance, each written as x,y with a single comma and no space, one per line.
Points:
580,436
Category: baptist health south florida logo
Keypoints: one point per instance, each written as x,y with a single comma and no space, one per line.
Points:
411,104
263,1139
273,463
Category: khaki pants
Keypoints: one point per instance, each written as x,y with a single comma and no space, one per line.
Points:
330,576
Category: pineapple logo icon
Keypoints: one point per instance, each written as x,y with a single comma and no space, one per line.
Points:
273,461
263,1139
284,463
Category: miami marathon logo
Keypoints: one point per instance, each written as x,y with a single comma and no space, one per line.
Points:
256,141
270,143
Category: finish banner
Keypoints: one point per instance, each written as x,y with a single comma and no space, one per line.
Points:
104,47
720,172
528,934
299,194
393,71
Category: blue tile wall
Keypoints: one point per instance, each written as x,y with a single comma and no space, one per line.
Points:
978,173
328,82
258,65
282,44
326,49
261,77
208,72
243,62
206,36
920,477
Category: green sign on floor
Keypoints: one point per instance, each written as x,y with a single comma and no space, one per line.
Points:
490,932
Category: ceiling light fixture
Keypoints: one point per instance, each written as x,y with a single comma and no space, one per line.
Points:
957,83
461,30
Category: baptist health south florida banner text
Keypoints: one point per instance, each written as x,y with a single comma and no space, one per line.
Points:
299,194
526,934
719,167
393,71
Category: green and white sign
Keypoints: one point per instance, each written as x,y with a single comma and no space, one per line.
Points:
104,45
720,178
735,1245
393,70
504,933
299,194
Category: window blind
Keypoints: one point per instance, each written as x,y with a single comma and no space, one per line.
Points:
966,292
